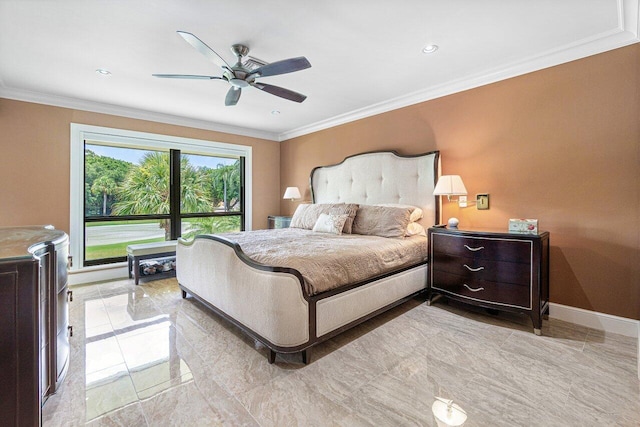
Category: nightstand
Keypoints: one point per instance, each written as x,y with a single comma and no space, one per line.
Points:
491,269
277,221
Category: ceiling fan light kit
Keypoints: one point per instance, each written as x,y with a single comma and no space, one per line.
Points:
240,76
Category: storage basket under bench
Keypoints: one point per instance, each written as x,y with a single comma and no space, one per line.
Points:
161,256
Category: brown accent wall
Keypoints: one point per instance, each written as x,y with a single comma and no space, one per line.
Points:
561,145
35,163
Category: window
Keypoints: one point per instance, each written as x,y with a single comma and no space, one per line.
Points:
139,188
220,183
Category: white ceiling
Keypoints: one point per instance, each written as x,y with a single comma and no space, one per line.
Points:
366,55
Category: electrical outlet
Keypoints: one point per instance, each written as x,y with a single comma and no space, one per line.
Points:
462,201
482,201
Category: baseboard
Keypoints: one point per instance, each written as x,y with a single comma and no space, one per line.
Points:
98,274
593,319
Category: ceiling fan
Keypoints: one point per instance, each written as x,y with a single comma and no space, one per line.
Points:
239,75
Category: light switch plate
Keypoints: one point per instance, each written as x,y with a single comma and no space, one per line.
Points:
482,201
462,201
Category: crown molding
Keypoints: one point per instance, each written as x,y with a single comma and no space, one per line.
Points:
625,34
132,113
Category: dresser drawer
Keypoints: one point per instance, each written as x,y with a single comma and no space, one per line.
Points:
483,269
497,249
482,290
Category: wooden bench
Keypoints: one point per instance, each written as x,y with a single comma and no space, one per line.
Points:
142,251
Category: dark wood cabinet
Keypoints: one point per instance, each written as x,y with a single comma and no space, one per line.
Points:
34,343
19,343
499,270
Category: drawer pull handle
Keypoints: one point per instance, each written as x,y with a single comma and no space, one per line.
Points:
479,248
471,289
473,269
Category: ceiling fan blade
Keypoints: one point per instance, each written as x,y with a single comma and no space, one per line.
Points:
232,96
280,91
282,67
186,76
202,47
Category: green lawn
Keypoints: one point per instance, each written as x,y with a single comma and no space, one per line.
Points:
125,222
114,249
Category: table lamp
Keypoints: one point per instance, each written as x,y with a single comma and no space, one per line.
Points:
292,193
450,185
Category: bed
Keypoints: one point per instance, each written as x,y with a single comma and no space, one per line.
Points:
271,300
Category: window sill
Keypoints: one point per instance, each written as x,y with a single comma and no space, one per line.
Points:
98,273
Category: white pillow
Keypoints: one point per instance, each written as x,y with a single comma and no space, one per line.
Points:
414,229
330,223
416,212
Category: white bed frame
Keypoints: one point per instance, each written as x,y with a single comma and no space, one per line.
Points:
270,304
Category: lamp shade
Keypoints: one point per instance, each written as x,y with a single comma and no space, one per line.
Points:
450,185
292,193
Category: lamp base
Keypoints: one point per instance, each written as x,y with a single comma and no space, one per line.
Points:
453,222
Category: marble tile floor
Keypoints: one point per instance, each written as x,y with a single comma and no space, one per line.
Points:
143,356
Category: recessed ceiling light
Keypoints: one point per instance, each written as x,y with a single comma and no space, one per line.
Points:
430,48
275,112
103,72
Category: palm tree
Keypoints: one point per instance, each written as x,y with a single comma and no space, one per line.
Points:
106,186
230,177
219,224
110,172
193,197
146,188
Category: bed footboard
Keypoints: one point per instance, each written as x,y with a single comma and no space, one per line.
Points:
267,301
341,310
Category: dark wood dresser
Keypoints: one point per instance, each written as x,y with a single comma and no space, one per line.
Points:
34,320
492,269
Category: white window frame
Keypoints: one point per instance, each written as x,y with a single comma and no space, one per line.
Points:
142,140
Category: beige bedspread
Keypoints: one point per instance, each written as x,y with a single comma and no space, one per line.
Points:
327,261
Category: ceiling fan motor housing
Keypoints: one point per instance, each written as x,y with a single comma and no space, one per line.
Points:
239,83
239,50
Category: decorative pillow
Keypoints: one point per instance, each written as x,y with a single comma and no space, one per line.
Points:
297,219
350,209
414,229
330,223
416,213
383,221
306,215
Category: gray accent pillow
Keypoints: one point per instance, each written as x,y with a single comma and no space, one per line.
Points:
306,215
383,221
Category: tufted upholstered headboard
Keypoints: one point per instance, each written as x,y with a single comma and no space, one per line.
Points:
381,177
